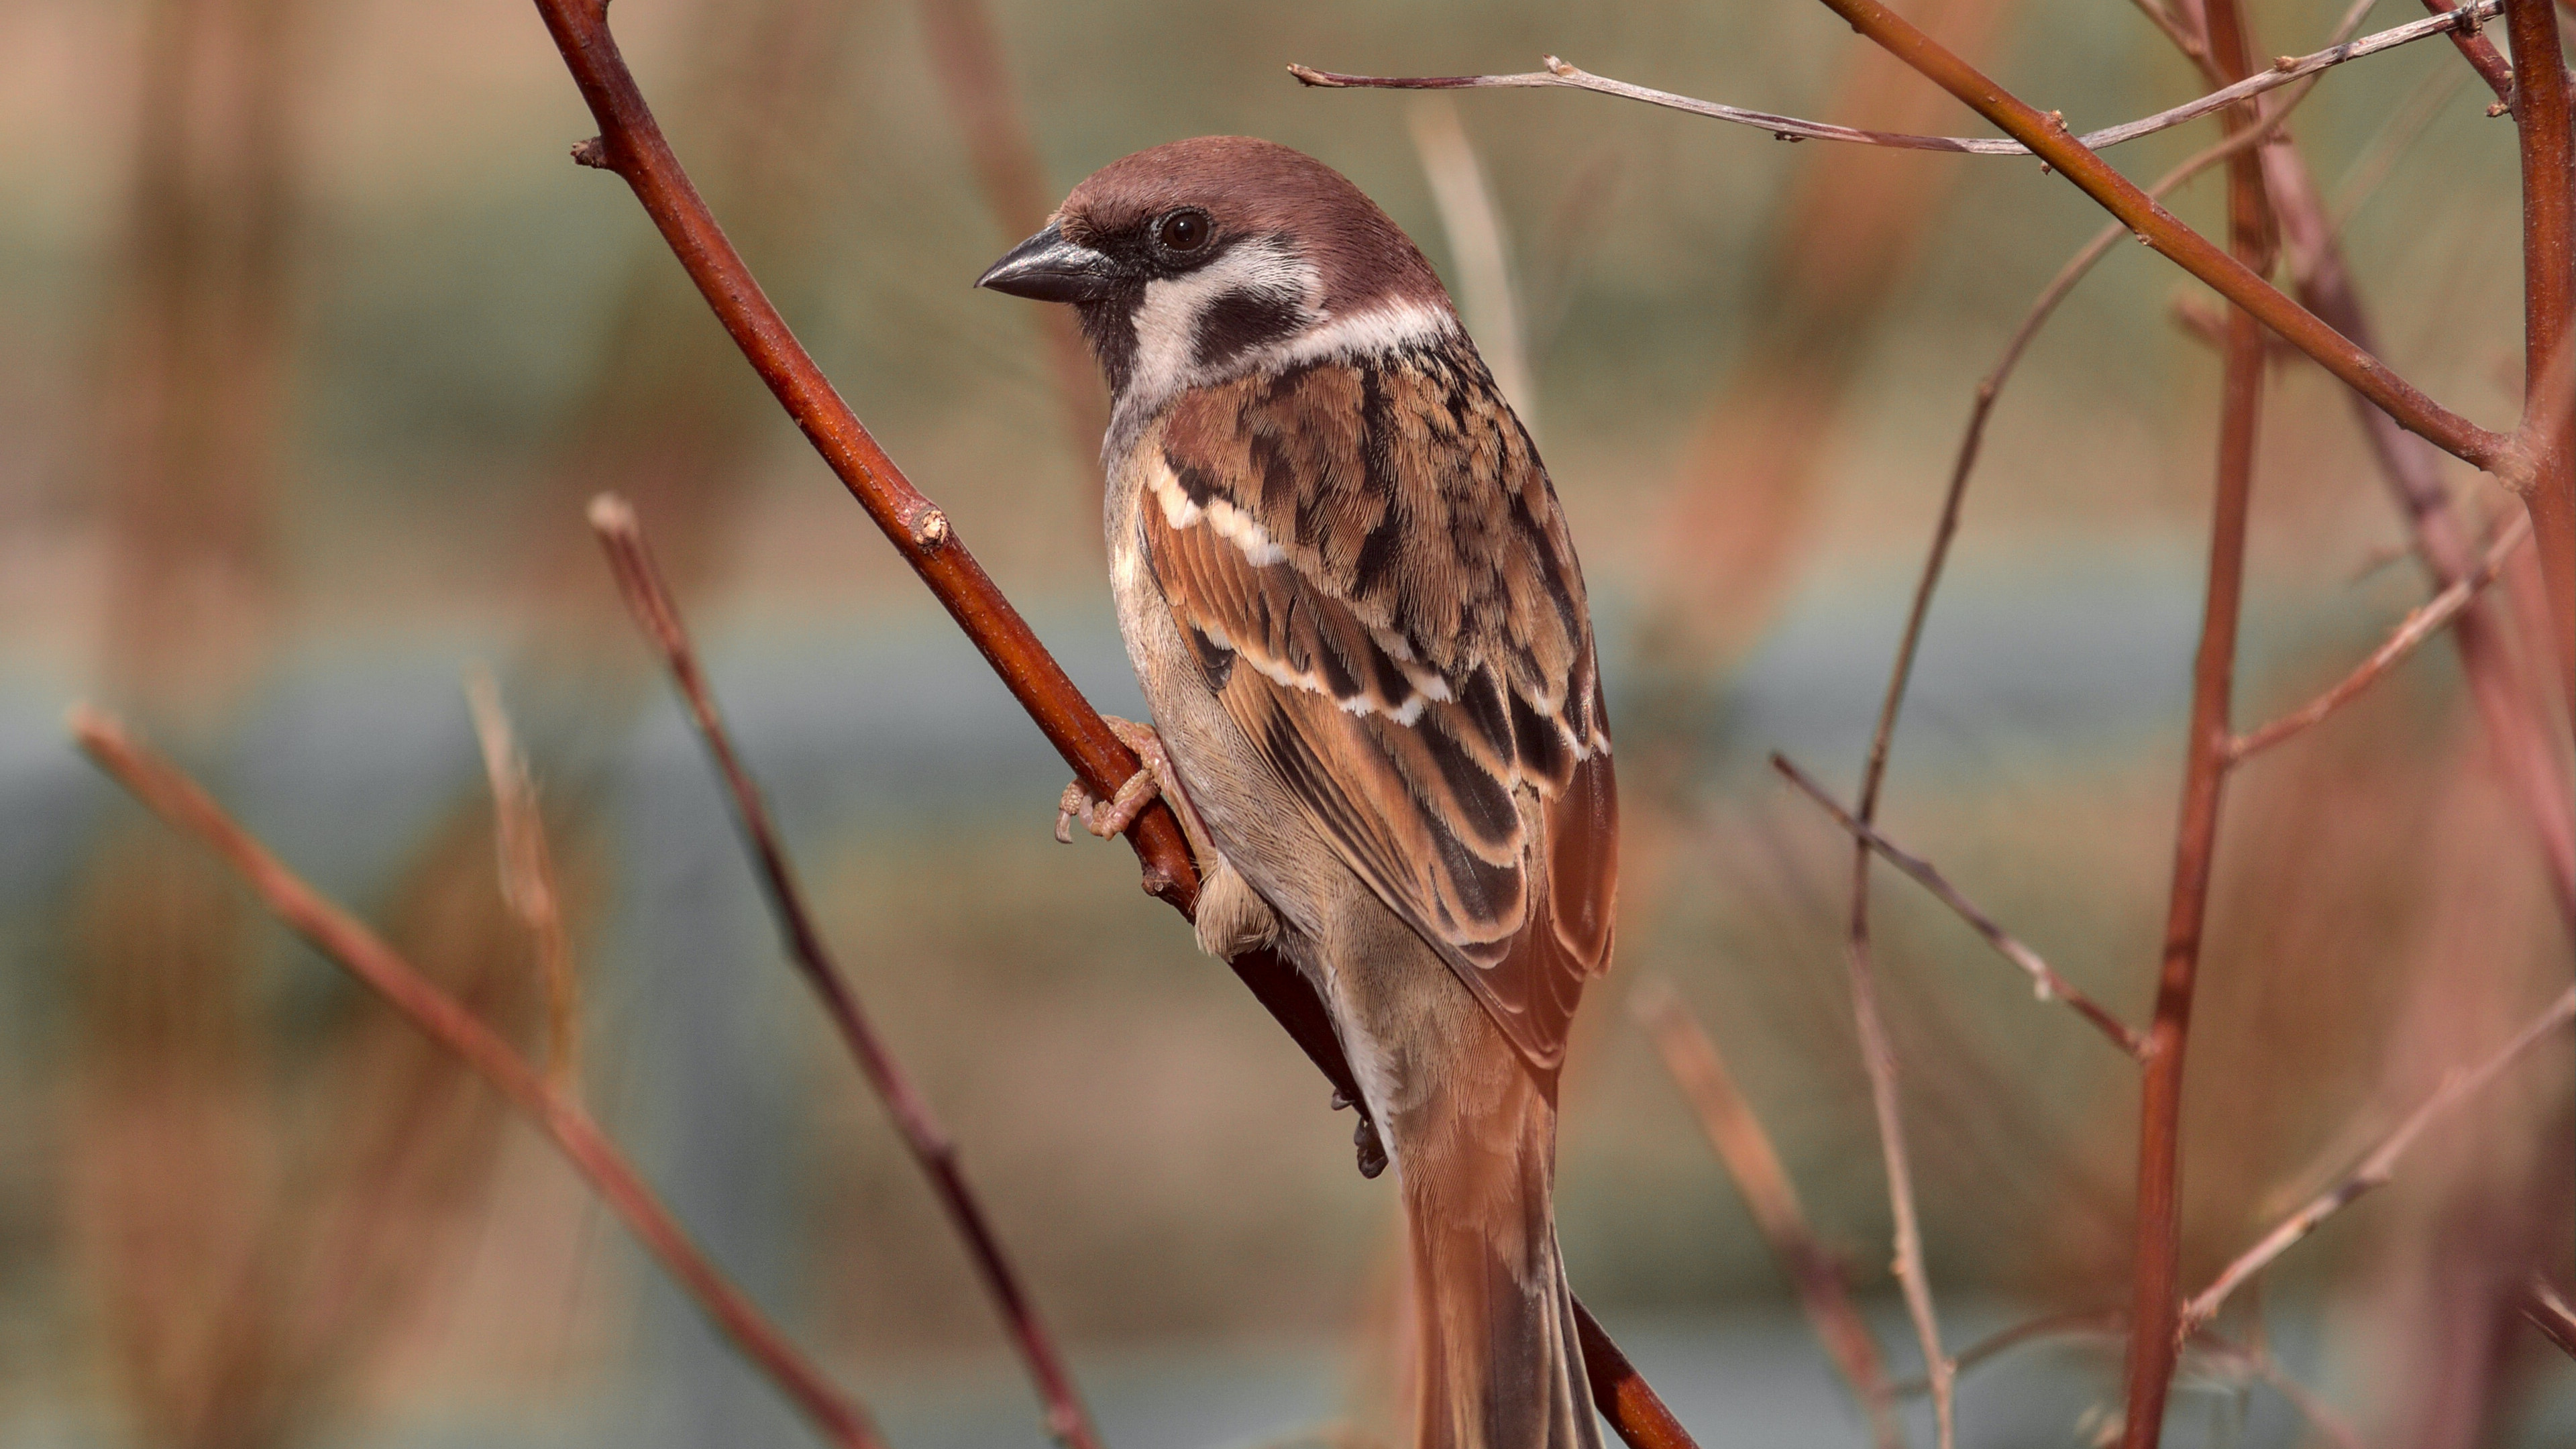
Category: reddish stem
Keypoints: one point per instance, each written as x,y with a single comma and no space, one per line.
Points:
2155,1307
2481,55
658,614
2549,307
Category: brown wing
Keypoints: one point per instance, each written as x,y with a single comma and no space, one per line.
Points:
1373,569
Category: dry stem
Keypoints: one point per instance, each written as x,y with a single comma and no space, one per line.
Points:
2375,1169
1754,1164
1558,73
2481,55
657,613
2542,117
342,937
2420,624
2044,980
528,876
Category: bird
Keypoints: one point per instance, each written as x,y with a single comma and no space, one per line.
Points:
1354,608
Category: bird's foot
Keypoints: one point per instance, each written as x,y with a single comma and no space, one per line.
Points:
1105,818
1364,1136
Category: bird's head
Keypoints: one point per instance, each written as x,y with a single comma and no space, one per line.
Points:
1206,259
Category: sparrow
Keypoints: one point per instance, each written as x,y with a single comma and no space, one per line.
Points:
1355,611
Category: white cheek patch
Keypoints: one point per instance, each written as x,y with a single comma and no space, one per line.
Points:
1167,319
1379,329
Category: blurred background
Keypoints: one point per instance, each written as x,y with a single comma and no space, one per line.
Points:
313,344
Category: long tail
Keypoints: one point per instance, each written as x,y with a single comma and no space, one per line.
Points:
1498,1365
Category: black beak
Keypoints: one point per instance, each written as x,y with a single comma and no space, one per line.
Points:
1049,268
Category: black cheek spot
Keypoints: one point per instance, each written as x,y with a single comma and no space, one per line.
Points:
1237,322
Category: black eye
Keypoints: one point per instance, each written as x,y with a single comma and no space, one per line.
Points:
1184,231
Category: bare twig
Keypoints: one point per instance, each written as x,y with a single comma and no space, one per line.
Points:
2550,1314
2252,244
2543,117
2044,980
2195,253
2375,1169
1754,1164
2481,55
528,877
1556,73
2105,1322
2254,1361
342,937
2420,624
657,613
1621,1393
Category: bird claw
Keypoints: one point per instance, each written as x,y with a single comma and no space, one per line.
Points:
1152,781
1364,1137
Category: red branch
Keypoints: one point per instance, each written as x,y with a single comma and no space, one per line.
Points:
631,144
346,940
2481,55
657,613
2194,253
2156,1291
2549,310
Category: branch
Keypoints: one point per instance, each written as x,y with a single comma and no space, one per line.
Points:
2253,242
364,955
2044,980
2422,623
2481,55
2376,1169
1754,1164
2550,1314
2542,118
1559,74
2160,229
657,613
631,144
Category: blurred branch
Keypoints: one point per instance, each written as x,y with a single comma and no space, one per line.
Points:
1750,1159
2543,118
2253,244
631,144
2045,982
340,936
657,614
2377,1168
966,56
2420,624
2550,1314
1558,73
1477,243
528,877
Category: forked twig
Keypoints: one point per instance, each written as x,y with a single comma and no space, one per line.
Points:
657,614
2377,1168
630,143
2421,623
1556,73
1754,1164
2045,982
364,955
528,884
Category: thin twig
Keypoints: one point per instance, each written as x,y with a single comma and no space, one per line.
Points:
2421,623
2253,242
1754,1164
2105,1322
528,876
2550,1314
2249,1360
347,941
657,614
2543,118
2377,1168
2044,980
2481,55
2196,254
1556,73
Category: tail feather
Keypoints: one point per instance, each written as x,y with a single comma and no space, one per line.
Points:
1498,1363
